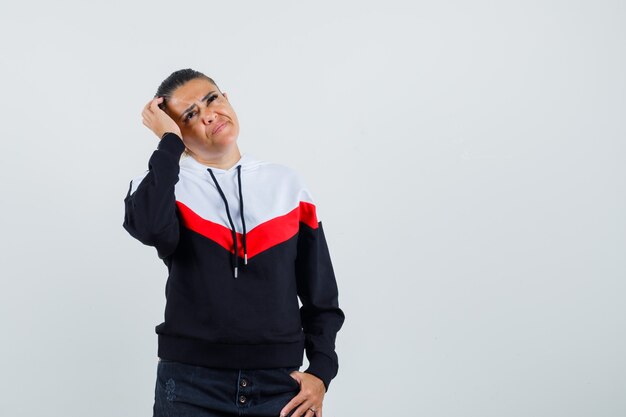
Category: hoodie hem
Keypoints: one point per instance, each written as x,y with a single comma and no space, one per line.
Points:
228,355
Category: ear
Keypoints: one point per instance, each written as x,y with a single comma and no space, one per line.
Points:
225,94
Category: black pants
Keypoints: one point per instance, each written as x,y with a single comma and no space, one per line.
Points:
195,391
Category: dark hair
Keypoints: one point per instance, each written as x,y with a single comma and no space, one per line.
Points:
177,79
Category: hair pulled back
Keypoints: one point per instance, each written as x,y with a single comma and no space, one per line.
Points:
177,79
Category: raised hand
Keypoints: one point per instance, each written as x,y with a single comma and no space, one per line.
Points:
157,120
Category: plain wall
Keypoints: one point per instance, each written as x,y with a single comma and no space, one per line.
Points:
467,159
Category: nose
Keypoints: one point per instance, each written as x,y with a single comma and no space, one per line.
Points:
208,116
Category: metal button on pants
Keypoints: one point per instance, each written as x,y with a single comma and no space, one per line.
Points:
194,391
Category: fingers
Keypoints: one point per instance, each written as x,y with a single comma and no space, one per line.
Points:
302,407
153,105
149,109
157,120
295,401
147,116
304,410
311,395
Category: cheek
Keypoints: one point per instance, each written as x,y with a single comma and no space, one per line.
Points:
231,114
194,132
189,127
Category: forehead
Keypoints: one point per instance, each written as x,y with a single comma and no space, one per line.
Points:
189,93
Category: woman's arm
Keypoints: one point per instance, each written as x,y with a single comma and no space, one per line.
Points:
320,313
150,204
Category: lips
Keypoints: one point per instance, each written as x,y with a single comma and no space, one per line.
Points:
218,128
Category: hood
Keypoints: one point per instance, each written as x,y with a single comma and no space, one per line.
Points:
246,163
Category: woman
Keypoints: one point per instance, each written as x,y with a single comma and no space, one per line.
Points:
233,337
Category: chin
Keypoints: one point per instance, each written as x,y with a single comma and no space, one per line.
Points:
227,140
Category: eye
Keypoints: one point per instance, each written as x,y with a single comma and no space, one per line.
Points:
189,115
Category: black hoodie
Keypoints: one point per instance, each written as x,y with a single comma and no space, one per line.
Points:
236,271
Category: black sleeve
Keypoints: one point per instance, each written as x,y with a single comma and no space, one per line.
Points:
320,313
150,214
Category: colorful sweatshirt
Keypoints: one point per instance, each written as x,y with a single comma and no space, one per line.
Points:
235,270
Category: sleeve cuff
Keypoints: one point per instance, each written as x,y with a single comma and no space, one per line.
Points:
171,143
322,367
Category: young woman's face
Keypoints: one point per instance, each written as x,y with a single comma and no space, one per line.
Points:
206,119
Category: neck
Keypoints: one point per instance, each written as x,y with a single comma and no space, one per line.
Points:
225,160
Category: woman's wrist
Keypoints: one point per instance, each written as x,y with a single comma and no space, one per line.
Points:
176,133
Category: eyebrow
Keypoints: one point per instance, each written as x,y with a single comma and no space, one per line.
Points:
190,108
